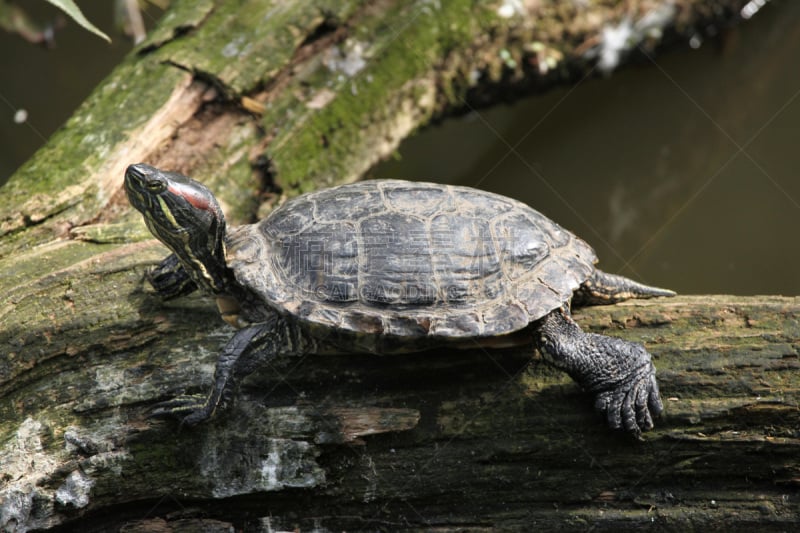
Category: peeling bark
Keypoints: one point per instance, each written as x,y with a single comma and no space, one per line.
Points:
274,98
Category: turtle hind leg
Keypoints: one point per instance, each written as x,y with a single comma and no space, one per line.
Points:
620,374
604,288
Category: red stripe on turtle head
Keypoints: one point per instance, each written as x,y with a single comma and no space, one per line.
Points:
198,198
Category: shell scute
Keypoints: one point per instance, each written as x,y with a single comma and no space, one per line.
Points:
396,266
455,324
423,199
408,325
321,262
466,258
350,205
537,298
362,322
479,205
290,221
523,245
511,316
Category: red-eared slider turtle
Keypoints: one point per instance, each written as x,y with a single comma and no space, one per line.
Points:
392,266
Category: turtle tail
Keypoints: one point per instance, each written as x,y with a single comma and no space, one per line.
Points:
604,288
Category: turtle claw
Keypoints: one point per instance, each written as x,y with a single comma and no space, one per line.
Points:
649,402
188,409
631,405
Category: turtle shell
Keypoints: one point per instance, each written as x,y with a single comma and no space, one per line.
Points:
409,259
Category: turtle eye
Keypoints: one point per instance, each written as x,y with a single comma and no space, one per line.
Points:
155,185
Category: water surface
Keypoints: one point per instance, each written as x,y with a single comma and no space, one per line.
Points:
681,171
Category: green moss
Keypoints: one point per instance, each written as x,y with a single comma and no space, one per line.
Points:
53,184
315,146
18,271
181,16
126,100
243,45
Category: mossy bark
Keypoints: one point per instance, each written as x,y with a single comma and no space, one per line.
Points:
468,439
270,99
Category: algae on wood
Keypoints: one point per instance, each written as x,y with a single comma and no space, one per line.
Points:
274,98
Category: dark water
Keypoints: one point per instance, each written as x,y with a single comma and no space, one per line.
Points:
50,83
680,172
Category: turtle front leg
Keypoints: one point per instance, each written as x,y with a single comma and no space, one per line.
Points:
619,373
170,279
249,348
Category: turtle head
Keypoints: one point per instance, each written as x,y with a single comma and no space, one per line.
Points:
185,216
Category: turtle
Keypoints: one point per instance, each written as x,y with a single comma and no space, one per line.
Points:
392,266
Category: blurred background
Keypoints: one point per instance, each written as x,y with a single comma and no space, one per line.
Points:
679,170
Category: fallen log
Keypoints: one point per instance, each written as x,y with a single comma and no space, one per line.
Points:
459,440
